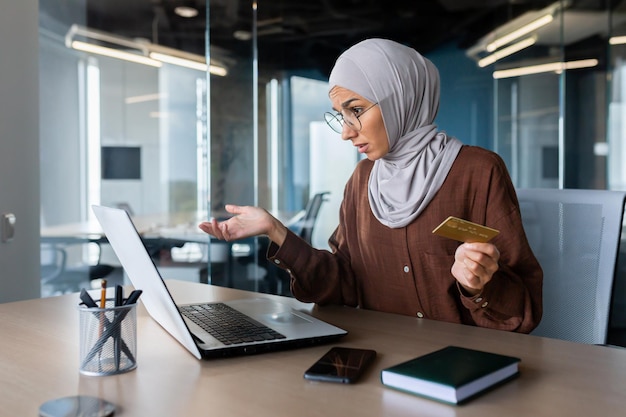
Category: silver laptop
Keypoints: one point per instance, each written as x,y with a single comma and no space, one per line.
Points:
260,324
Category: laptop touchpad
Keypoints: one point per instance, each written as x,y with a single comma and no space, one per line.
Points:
286,317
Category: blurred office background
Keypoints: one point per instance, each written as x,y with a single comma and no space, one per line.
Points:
223,102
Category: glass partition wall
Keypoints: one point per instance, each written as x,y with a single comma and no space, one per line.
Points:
616,131
550,94
124,123
173,145
616,152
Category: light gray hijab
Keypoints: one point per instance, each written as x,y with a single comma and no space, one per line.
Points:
406,87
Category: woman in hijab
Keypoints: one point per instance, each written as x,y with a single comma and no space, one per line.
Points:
384,255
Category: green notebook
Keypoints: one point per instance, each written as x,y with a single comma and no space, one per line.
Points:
452,374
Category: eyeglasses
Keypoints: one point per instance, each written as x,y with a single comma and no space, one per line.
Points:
348,116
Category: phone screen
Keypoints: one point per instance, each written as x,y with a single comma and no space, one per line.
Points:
341,364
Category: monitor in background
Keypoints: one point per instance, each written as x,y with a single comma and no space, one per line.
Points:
121,162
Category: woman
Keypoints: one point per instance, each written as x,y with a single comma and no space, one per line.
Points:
384,256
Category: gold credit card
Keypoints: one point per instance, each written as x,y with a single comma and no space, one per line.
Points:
464,230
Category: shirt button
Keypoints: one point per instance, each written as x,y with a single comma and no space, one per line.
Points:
484,304
277,261
478,300
406,269
420,314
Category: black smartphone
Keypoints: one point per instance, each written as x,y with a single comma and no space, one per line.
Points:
341,364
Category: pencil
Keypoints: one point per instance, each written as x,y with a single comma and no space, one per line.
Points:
103,302
103,294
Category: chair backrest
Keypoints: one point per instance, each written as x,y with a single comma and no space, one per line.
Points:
575,235
52,260
311,212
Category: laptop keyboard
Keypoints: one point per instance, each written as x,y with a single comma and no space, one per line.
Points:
228,325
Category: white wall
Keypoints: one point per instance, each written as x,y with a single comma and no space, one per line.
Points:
19,148
132,124
164,128
332,161
60,135
538,127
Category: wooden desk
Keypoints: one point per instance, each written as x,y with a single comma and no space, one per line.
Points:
39,362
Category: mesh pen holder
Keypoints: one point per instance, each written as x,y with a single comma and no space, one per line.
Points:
108,339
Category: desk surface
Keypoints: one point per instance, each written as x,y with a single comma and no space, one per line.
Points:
39,362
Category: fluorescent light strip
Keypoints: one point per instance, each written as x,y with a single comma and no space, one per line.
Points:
524,30
115,53
200,66
557,67
144,98
186,11
156,59
509,50
617,40
217,70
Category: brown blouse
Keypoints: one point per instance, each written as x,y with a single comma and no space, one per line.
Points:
407,270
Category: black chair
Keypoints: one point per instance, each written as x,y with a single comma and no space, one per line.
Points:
304,228
57,277
311,213
277,280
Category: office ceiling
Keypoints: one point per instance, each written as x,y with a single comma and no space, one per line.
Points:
304,34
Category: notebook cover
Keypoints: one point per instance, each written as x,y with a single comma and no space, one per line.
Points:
452,367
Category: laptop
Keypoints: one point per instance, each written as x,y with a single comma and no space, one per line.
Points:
267,324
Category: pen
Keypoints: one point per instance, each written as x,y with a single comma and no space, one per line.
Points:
103,301
87,300
118,334
118,295
133,297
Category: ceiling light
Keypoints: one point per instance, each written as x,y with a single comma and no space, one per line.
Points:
218,70
144,98
518,33
509,50
138,51
186,11
170,59
186,59
557,67
242,35
114,53
533,23
617,40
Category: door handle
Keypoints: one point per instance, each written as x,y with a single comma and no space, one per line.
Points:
8,227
